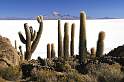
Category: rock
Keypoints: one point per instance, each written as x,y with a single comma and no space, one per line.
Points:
8,54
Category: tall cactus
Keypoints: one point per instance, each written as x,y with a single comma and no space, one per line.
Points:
60,49
66,41
48,51
82,38
52,51
100,44
72,39
32,38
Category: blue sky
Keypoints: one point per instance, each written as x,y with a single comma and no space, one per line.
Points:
31,8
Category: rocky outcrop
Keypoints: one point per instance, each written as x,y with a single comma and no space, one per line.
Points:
8,54
117,52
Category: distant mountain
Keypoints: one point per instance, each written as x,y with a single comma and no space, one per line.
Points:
53,16
16,18
107,18
50,17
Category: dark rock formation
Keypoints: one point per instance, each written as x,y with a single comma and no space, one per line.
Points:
8,54
117,55
117,52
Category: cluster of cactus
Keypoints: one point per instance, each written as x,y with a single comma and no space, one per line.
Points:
63,50
100,44
32,37
50,51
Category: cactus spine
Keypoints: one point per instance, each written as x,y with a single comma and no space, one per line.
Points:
72,39
82,38
60,49
52,51
32,38
66,41
100,44
48,51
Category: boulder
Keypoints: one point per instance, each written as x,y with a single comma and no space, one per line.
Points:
8,54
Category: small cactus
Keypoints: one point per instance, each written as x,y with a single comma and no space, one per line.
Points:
22,56
72,39
15,44
82,38
66,41
32,38
48,51
93,52
60,49
100,44
52,51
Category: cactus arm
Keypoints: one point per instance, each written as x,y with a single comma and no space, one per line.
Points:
33,33
36,41
28,41
34,36
22,38
31,29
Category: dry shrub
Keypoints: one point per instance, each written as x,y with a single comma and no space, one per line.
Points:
10,73
2,80
105,72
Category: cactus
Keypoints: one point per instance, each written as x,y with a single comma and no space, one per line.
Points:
20,48
21,57
15,44
72,39
52,51
82,38
60,49
32,38
66,41
48,51
93,52
100,44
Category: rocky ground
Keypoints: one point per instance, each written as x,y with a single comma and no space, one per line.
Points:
13,69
